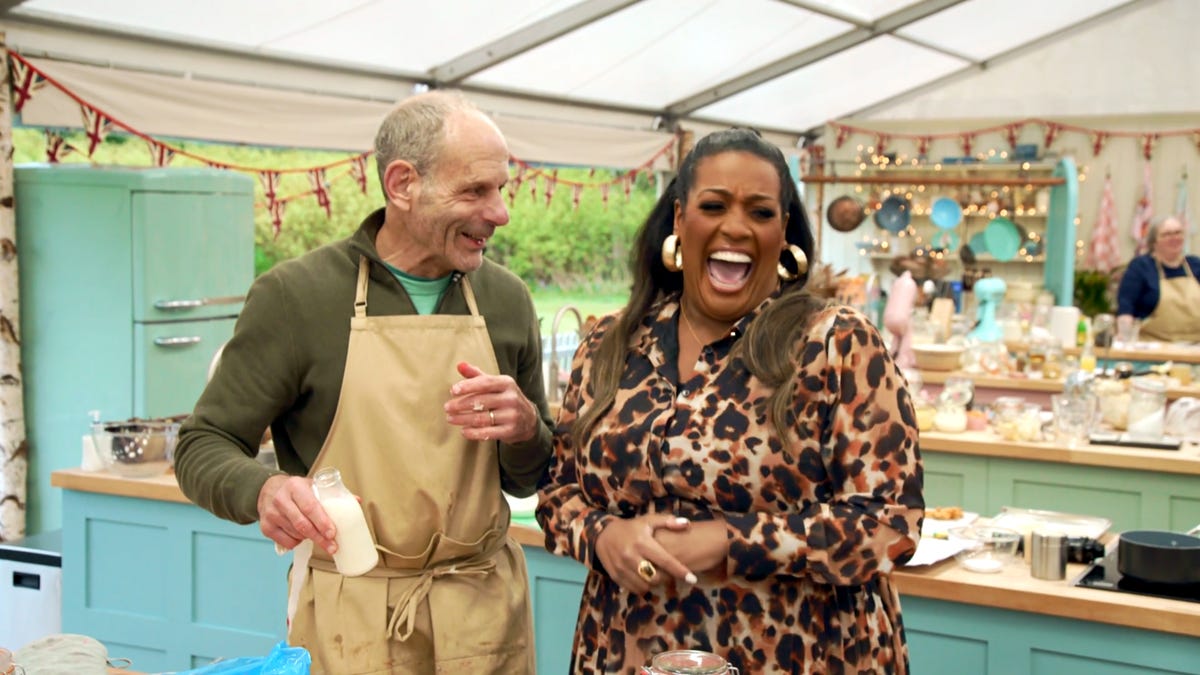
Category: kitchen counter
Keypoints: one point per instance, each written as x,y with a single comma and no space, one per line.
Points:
204,568
1145,352
1035,390
1185,460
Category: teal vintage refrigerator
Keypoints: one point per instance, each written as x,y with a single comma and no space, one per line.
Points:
130,280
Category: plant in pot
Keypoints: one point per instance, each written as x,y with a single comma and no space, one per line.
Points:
1092,294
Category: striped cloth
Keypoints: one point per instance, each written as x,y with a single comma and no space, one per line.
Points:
1143,213
1104,248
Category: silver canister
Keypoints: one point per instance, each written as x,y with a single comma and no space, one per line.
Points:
1049,556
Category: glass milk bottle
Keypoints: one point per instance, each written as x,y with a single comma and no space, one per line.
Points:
356,553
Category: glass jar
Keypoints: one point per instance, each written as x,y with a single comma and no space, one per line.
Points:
1147,408
1052,369
689,662
1006,411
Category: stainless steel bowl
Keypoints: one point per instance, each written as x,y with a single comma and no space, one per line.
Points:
136,448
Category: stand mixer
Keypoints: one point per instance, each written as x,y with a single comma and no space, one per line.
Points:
989,291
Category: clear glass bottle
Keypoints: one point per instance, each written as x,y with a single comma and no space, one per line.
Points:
356,553
1147,408
690,662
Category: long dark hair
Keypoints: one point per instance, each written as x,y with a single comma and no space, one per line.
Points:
764,352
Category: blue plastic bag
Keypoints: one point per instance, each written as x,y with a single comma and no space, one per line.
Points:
283,660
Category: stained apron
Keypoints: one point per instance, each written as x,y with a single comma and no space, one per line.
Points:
451,591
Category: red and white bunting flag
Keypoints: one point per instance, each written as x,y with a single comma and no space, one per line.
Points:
1181,207
842,134
25,81
627,183
923,145
1099,138
966,140
1148,141
1011,133
1104,250
277,208
316,178
576,193
358,171
1052,130
533,188
551,183
881,143
1143,212
604,194
160,155
96,125
56,147
270,185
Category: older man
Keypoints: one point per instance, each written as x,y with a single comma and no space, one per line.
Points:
403,358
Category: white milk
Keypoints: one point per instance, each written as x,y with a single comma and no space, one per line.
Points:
356,553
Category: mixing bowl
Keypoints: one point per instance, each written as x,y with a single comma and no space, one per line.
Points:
136,448
986,548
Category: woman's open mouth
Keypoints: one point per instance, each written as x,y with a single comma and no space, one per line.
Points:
729,270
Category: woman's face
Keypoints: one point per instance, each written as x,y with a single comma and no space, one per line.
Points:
1168,243
731,234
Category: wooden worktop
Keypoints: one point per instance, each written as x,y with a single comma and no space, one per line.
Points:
1150,352
1040,384
1185,460
1012,588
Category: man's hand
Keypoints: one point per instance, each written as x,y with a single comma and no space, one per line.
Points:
289,513
490,407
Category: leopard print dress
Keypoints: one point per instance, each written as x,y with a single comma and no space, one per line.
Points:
816,520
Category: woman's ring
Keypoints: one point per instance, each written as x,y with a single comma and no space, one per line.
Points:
646,570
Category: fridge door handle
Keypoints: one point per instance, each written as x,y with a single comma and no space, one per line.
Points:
201,302
177,341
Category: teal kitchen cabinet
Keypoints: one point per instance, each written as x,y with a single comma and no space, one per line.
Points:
130,281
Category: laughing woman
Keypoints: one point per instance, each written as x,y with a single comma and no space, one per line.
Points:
735,461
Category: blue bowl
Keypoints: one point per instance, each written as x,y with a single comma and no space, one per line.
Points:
894,214
945,213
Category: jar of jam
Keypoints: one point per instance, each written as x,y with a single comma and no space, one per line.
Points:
688,662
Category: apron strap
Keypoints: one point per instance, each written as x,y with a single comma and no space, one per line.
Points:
404,614
469,295
360,293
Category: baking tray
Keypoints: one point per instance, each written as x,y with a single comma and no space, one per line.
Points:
1073,525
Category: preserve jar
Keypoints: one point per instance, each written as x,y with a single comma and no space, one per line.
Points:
1147,408
688,662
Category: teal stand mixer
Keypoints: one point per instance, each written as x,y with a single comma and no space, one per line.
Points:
989,291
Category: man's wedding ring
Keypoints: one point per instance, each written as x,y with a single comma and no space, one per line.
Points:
492,414
646,570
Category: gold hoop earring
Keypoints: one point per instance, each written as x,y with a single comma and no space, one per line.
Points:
799,258
672,257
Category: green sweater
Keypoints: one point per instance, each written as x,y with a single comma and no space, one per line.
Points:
283,368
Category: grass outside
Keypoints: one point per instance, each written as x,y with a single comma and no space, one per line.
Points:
548,301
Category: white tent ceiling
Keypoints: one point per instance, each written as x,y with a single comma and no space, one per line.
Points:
785,66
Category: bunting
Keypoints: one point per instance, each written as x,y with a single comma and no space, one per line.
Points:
97,126
160,155
1098,139
358,171
1148,141
316,178
56,147
25,80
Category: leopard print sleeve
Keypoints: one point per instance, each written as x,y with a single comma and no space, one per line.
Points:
570,521
853,431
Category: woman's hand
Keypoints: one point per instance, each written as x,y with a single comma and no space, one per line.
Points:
628,543
702,546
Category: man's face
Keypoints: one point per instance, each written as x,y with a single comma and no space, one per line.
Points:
460,204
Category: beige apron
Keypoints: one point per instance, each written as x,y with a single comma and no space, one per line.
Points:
451,591
1176,318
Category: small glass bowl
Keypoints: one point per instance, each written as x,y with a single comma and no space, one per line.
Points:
987,549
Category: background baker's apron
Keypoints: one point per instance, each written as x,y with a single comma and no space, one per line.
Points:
451,591
1176,317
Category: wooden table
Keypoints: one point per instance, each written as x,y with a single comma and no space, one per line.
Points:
1035,390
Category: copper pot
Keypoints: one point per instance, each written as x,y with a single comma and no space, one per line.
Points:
845,213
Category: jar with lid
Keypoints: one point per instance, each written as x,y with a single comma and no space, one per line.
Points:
1147,408
689,662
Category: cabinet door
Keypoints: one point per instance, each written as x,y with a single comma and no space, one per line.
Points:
193,254
171,364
